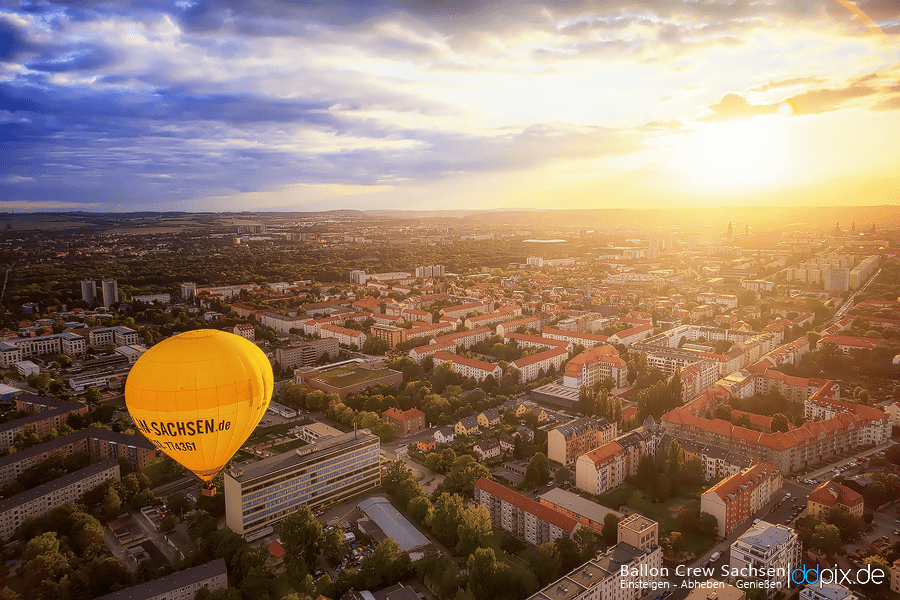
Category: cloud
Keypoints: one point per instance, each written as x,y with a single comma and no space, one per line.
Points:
736,106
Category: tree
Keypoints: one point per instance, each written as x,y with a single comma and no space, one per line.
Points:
93,395
385,566
474,530
179,504
538,471
335,544
43,560
826,538
482,565
201,524
445,519
419,509
111,502
563,475
301,537
780,423
586,541
723,411
610,530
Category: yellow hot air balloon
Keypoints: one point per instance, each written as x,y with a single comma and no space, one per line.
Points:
198,395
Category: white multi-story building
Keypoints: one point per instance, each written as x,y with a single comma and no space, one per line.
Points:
469,367
151,298
827,591
768,553
358,277
17,349
110,292
282,324
537,365
188,290
347,337
601,469
259,494
432,271
521,516
593,366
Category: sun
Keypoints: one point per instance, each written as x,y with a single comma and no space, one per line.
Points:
735,155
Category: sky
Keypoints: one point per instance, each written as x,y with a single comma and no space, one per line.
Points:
239,105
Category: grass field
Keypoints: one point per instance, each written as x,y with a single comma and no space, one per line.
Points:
663,513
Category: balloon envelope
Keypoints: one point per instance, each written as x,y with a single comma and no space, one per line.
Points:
199,395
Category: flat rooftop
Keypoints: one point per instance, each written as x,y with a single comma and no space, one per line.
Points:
350,375
249,471
578,505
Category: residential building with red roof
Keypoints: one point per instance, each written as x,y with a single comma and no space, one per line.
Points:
523,340
406,421
531,323
632,335
834,495
735,499
593,366
465,339
585,339
601,469
469,367
347,337
521,516
532,367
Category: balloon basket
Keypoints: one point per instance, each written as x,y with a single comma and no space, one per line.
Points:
209,491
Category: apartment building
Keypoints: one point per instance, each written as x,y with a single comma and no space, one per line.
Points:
632,335
51,413
585,339
259,494
17,349
407,421
538,365
346,337
68,488
419,353
769,551
834,495
151,298
737,498
423,330
529,323
182,585
469,367
523,340
601,469
593,366
567,442
521,516
245,330
99,443
282,324
638,531
307,354
461,310
590,514
389,333
465,339
828,591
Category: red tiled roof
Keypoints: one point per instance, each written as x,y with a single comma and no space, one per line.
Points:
545,513
534,358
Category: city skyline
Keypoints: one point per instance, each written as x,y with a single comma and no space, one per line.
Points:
215,106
